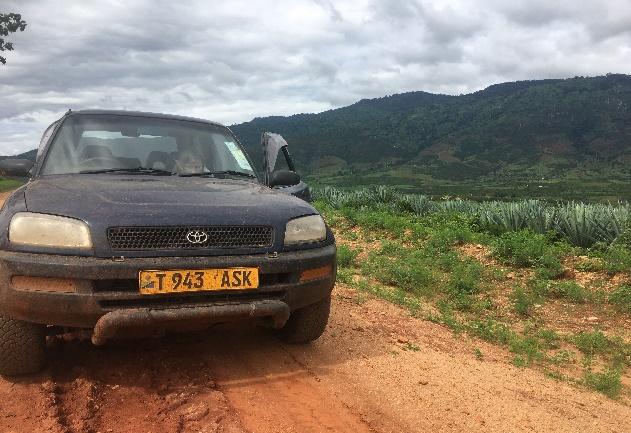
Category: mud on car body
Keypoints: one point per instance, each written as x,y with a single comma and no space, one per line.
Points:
133,223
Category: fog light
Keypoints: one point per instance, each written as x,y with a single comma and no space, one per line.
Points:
316,273
44,284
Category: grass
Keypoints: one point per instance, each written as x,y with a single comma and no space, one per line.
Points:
620,298
346,256
607,382
568,290
592,343
611,259
525,248
10,184
522,301
411,347
396,265
415,260
549,337
478,353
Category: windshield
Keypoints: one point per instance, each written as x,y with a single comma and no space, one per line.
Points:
112,143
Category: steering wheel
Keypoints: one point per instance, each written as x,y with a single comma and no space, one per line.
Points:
100,161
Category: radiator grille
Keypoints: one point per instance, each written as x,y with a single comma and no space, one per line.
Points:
189,237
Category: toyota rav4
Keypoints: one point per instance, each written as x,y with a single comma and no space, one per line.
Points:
135,223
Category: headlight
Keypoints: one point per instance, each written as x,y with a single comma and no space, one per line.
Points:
305,229
37,229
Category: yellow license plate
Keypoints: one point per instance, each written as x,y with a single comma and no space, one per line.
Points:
193,280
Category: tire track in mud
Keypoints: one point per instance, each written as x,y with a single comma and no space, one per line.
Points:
75,393
134,386
29,402
241,380
74,404
273,392
158,385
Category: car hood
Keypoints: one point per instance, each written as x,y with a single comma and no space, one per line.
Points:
106,200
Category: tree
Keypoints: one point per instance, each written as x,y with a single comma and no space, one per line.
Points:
9,23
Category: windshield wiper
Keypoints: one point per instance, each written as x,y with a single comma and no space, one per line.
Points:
136,170
219,173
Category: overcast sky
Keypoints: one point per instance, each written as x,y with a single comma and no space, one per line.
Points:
231,61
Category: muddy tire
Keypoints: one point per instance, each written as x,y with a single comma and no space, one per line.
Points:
22,347
306,324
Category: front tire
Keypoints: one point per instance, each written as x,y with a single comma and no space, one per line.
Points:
306,324
22,347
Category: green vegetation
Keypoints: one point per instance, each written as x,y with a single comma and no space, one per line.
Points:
568,290
527,249
591,343
522,301
608,382
9,23
595,224
478,353
346,256
547,138
504,280
616,258
621,298
9,184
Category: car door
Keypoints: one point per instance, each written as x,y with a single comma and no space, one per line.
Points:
276,161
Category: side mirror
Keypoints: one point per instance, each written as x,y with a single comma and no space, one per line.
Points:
15,167
284,178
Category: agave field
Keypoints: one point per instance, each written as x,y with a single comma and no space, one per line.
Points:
550,282
581,224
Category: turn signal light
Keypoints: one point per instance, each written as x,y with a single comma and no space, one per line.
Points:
316,273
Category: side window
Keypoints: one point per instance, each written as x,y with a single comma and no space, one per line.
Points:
283,161
47,134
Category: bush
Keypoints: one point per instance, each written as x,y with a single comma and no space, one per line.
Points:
592,343
465,278
549,264
608,382
346,256
620,298
401,267
493,331
549,337
521,248
569,290
522,301
616,258
527,249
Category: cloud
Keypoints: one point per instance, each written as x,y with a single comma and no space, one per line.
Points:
233,60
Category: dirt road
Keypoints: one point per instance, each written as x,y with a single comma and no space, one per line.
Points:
376,369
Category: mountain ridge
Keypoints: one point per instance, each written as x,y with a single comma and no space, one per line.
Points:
572,120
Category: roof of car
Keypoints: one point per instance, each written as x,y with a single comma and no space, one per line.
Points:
144,114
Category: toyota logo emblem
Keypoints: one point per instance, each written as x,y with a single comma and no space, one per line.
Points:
196,237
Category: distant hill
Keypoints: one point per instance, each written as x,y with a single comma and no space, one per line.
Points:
570,121
31,154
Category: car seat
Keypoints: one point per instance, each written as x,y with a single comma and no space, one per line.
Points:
160,160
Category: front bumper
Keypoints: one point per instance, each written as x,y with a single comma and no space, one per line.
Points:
110,285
